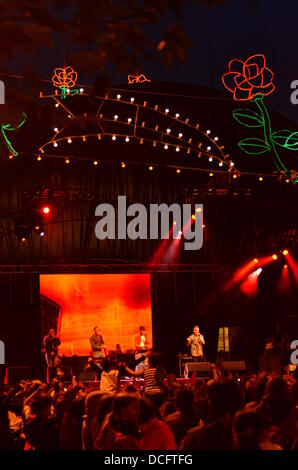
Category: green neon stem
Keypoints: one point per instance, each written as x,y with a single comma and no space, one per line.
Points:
8,127
268,132
64,93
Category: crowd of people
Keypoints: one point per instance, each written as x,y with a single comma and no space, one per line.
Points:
219,413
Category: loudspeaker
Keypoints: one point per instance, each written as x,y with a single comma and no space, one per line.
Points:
196,367
233,366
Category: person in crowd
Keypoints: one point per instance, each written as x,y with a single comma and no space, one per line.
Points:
90,424
251,431
120,430
185,418
110,381
202,416
95,366
278,406
130,388
71,427
225,399
166,409
154,376
61,403
201,401
156,434
42,429
105,407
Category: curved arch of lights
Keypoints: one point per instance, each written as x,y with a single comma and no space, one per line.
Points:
134,123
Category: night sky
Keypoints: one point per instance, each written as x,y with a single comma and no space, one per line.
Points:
237,29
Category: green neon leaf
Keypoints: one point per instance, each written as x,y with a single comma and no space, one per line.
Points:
248,117
253,146
286,139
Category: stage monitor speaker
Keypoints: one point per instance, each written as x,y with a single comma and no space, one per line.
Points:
15,374
190,367
233,366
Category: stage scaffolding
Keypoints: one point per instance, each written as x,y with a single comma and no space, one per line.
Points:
106,268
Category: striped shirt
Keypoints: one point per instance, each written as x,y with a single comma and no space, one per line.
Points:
153,382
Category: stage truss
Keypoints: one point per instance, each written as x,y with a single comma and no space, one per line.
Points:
110,268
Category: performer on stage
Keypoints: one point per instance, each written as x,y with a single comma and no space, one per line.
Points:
97,344
141,346
196,342
51,343
141,340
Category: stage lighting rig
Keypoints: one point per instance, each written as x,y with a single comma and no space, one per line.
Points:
22,228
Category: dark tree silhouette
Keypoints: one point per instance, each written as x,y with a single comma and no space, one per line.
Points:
121,32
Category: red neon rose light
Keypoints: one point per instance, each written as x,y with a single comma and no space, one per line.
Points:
137,79
249,79
64,77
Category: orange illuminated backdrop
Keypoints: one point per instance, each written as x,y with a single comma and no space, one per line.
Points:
117,303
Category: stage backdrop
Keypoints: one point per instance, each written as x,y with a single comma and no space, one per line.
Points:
117,303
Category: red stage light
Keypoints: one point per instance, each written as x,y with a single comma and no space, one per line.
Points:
285,252
293,267
256,260
284,281
274,257
46,210
250,285
193,217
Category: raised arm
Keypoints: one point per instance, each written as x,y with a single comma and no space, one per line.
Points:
134,373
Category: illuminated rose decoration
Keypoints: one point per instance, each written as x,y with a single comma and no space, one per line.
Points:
64,77
137,79
249,79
